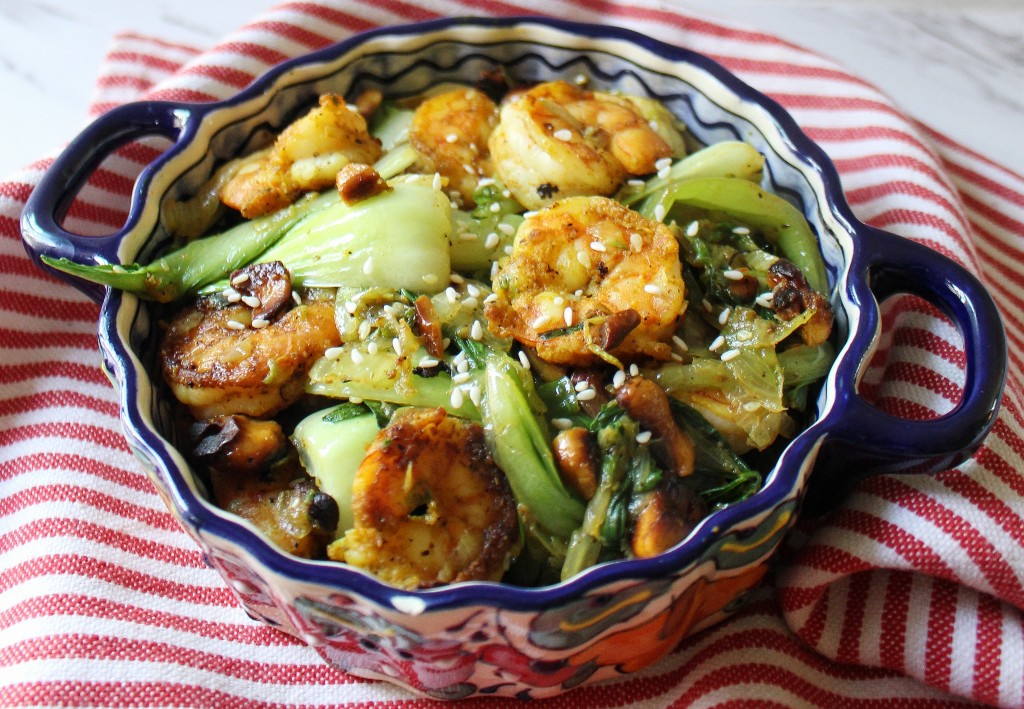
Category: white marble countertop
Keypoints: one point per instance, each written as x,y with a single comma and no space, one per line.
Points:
956,65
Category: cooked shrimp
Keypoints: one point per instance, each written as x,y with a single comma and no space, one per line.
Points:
430,505
305,157
217,363
558,140
582,263
450,133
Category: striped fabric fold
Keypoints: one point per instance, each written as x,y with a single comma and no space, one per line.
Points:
910,594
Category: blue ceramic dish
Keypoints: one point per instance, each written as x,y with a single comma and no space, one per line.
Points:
489,638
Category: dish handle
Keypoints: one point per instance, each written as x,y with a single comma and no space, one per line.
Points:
46,207
864,440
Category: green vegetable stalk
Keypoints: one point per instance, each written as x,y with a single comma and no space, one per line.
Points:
617,443
782,224
202,261
520,447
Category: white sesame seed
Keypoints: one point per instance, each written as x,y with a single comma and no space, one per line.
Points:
741,230
636,242
351,307
371,347
581,385
428,362
680,343
507,250
240,279
653,289
477,331
368,266
457,398
485,182
235,325
524,360
469,303
333,352
234,296
251,300
634,370
495,207
752,406
506,229
558,300
364,329
563,134
676,357
578,293
461,377
586,395
491,298
467,236
506,193
357,356
635,183
598,246
764,300
457,279
723,317
459,358
619,378
355,399
643,437
732,274
663,164
527,215
430,278
451,294
296,297
475,394
730,355
436,184
692,228
259,323
707,305
664,173
567,316
659,213
473,289
451,137
396,345
492,241
717,343
562,424
541,321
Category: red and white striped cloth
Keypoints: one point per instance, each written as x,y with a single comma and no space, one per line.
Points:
910,595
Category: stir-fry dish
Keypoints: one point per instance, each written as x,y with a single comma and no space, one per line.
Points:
490,333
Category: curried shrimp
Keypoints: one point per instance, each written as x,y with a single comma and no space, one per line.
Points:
305,157
450,133
588,275
430,505
558,140
217,363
